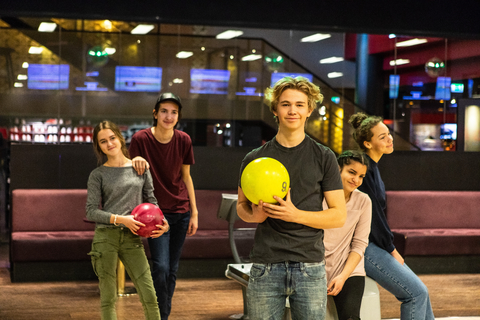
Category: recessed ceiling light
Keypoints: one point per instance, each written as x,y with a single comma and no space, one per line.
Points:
184,54
252,57
316,37
25,65
18,84
177,80
411,42
331,60
142,29
229,34
35,50
22,77
47,27
332,75
399,62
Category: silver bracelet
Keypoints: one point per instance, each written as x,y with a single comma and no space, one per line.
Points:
115,221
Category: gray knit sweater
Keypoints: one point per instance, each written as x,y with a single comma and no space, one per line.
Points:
116,190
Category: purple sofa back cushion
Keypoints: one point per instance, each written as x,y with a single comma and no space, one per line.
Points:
49,210
208,202
433,209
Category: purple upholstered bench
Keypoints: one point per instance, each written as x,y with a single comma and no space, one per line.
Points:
48,229
436,222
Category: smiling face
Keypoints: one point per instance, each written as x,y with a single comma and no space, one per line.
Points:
109,143
352,175
381,142
167,115
292,110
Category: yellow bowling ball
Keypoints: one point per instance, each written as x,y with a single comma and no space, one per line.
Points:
264,178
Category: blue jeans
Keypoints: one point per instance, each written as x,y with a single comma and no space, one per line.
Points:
399,280
108,245
305,285
166,251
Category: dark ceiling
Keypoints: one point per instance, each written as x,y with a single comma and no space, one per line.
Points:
414,17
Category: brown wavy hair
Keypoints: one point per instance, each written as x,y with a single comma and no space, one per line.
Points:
106,124
362,125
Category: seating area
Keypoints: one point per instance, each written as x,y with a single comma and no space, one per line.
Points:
436,223
50,238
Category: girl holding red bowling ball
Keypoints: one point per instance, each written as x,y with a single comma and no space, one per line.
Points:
114,190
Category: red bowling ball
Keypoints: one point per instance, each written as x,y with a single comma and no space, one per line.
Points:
150,215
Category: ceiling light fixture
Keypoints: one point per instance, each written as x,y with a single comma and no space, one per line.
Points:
25,65
399,62
22,77
332,75
18,84
331,60
142,29
229,34
184,54
35,50
47,27
252,57
177,80
411,42
316,37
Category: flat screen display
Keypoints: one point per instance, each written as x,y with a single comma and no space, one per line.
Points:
394,85
448,131
48,76
209,81
442,90
138,79
279,75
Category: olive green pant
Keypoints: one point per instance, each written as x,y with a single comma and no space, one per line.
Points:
110,244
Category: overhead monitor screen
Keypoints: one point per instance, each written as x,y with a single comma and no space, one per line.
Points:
442,90
279,75
138,79
394,85
209,81
48,76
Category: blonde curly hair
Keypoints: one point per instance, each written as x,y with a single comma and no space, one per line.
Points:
272,94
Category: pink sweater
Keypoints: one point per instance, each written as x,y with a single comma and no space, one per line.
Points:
353,236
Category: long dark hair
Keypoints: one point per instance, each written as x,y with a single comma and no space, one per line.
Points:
348,156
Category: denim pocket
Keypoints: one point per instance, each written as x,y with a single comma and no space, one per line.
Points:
258,271
314,270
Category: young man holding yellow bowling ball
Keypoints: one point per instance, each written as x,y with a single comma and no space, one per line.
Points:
288,253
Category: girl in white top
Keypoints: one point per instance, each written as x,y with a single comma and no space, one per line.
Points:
345,246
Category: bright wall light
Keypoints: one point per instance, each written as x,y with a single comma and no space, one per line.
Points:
316,37
47,27
332,75
229,34
331,60
22,77
399,62
35,50
411,42
18,85
110,51
184,54
252,57
142,29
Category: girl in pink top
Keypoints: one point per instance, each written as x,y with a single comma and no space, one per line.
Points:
345,246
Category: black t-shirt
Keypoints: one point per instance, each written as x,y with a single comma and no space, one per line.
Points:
313,169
